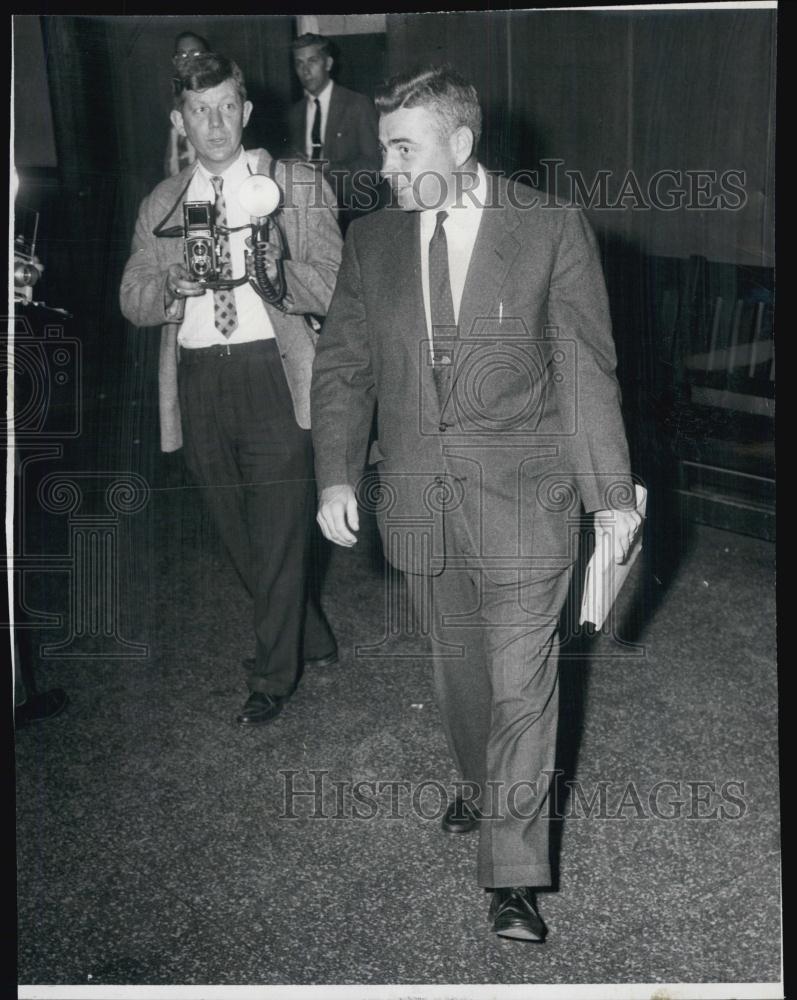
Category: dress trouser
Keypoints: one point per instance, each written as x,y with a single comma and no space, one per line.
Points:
254,465
495,652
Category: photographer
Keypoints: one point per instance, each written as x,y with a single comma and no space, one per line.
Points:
235,368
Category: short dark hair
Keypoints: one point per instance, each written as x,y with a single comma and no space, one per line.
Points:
442,90
192,34
306,40
204,71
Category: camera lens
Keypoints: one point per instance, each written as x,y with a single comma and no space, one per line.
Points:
25,274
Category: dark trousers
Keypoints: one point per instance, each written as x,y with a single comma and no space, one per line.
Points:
254,465
495,648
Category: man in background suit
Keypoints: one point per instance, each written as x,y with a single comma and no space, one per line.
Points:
238,401
335,127
475,316
179,151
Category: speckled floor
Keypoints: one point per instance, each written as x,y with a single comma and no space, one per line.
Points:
153,845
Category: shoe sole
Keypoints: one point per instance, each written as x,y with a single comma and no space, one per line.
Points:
258,722
520,934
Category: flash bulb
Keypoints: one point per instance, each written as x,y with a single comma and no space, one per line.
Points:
258,195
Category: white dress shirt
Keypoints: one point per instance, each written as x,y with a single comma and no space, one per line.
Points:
461,228
198,328
323,99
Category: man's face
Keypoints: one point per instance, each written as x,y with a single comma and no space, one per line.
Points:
213,121
417,160
312,68
186,47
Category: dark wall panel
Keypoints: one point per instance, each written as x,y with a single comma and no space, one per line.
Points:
647,92
34,141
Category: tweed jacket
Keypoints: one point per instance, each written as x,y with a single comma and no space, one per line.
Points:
309,225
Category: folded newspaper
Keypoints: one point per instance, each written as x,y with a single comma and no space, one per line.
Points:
605,577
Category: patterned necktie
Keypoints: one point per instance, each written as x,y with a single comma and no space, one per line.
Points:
315,136
224,311
441,307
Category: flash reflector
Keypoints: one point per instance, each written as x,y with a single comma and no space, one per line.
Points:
259,196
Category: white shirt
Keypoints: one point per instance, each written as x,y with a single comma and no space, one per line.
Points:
323,99
461,228
198,328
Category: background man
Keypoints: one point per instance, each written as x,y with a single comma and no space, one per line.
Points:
179,151
239,399
334,125
498,409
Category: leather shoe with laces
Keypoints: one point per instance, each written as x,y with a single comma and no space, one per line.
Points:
513,913
460,817
260,708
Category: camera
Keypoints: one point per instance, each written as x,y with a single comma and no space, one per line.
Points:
28,269
201,252
208,263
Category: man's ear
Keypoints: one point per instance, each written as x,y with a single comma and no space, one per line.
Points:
177,120
247,113
462,145
328,63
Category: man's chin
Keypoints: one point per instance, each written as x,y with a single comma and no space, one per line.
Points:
215,156
405,201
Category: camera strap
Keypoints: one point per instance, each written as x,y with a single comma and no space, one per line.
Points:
174,231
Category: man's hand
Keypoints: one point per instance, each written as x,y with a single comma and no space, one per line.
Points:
179,284
337,515
624,526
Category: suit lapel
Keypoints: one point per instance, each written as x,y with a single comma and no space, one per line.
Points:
403,288
493,255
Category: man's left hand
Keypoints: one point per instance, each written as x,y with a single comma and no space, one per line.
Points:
624,525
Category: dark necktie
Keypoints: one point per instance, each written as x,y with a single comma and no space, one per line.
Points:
224,311
315,135
441,307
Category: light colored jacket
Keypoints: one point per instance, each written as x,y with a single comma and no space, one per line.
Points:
309,225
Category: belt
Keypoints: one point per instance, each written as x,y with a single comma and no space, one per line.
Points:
194,355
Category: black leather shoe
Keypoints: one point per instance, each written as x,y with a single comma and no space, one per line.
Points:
260,708
513,913
460,817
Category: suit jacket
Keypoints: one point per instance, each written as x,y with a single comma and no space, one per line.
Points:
313,240
351,138
530,421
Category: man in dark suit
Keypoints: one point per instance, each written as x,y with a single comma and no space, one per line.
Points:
334,127
238,401
475,315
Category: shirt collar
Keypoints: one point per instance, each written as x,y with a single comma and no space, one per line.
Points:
323,95
472,200
238,164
